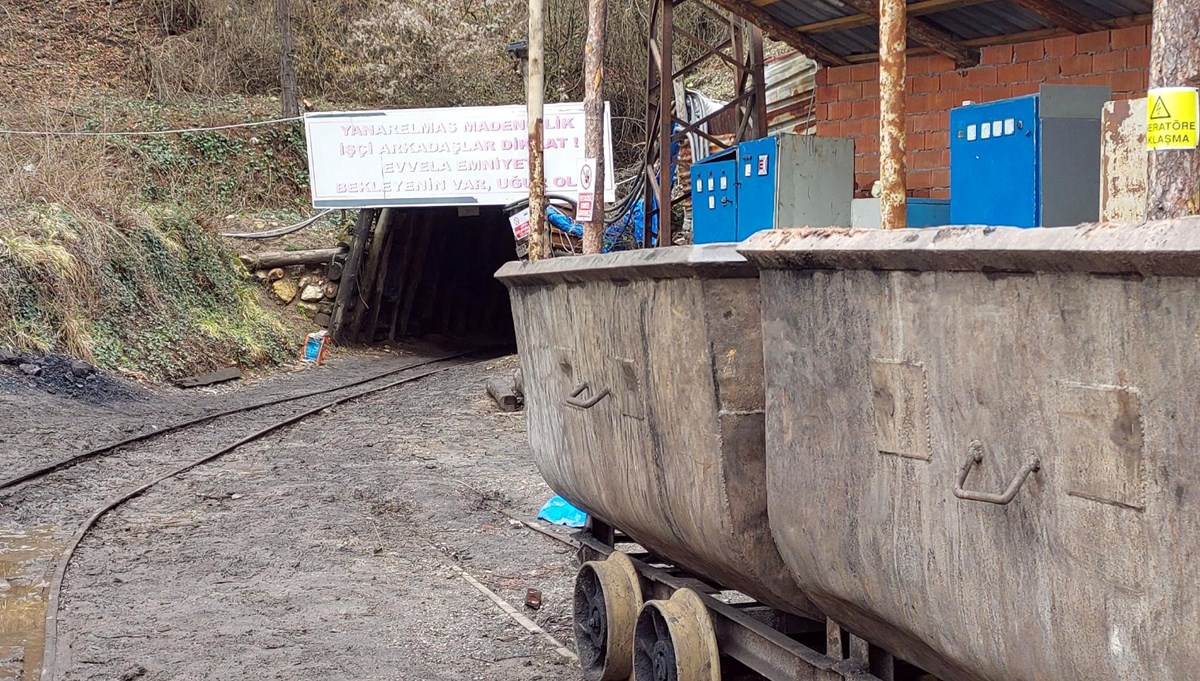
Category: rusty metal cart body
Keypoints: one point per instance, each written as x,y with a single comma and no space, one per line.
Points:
981,443
644,392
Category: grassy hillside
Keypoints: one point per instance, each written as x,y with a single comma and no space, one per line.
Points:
108,244
150,292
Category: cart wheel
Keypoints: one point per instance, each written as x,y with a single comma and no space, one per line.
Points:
674,641
607,598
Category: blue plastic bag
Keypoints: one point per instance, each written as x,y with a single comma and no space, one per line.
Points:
559,511
564,223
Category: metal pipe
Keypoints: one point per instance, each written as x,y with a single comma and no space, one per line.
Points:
535,93
649,182
893,41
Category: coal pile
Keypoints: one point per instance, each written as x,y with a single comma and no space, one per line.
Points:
63,376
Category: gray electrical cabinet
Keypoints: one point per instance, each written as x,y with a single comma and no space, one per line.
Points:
777,182
1031,161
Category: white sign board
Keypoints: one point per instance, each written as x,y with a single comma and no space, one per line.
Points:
520,224
585,209
442,157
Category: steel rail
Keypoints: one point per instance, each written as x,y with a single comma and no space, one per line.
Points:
50,656
104,450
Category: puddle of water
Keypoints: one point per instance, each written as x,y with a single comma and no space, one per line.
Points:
26,568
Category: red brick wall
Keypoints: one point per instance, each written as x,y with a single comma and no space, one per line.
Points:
848,96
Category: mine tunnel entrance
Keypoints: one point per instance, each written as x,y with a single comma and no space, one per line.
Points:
426,273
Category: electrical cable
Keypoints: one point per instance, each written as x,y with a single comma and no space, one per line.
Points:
134,133
278,231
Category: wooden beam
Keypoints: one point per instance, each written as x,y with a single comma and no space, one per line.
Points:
369,282
1023,37
399,218
916,9
1061,16
407,246
782,32
415,274
273,259
925,33
348,290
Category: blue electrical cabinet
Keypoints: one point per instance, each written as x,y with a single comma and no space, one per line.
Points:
756,204
1029,161
922,212
928,212
714,197
776,182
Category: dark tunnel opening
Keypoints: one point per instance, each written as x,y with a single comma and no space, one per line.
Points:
427,274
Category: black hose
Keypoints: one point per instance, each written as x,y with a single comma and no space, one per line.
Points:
523,203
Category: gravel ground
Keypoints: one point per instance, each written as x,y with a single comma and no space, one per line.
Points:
331,549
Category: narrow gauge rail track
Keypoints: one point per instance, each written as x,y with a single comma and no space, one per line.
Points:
49,670
112,448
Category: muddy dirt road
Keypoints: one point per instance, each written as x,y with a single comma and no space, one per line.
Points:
332,549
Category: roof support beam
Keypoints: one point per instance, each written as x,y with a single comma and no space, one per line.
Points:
915,9
1063,17
782,32
1024,37
926,34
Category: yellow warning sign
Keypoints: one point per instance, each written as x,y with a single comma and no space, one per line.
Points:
1171,121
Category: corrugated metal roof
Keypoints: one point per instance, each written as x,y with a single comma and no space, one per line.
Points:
791,86
972,22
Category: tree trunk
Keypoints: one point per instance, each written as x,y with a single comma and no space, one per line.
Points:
593,108
287,55
504,393
271,259
535,96
1173,182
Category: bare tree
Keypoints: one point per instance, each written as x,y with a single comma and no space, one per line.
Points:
535,95
287,56
1174,176
593,108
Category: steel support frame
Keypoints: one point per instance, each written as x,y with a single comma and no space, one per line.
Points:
742,50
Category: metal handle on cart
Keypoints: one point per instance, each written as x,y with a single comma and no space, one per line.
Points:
575,398
975,457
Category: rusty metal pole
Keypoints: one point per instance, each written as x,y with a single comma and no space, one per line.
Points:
1173,177
666,119
893,201
593,108
650,190
535,94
